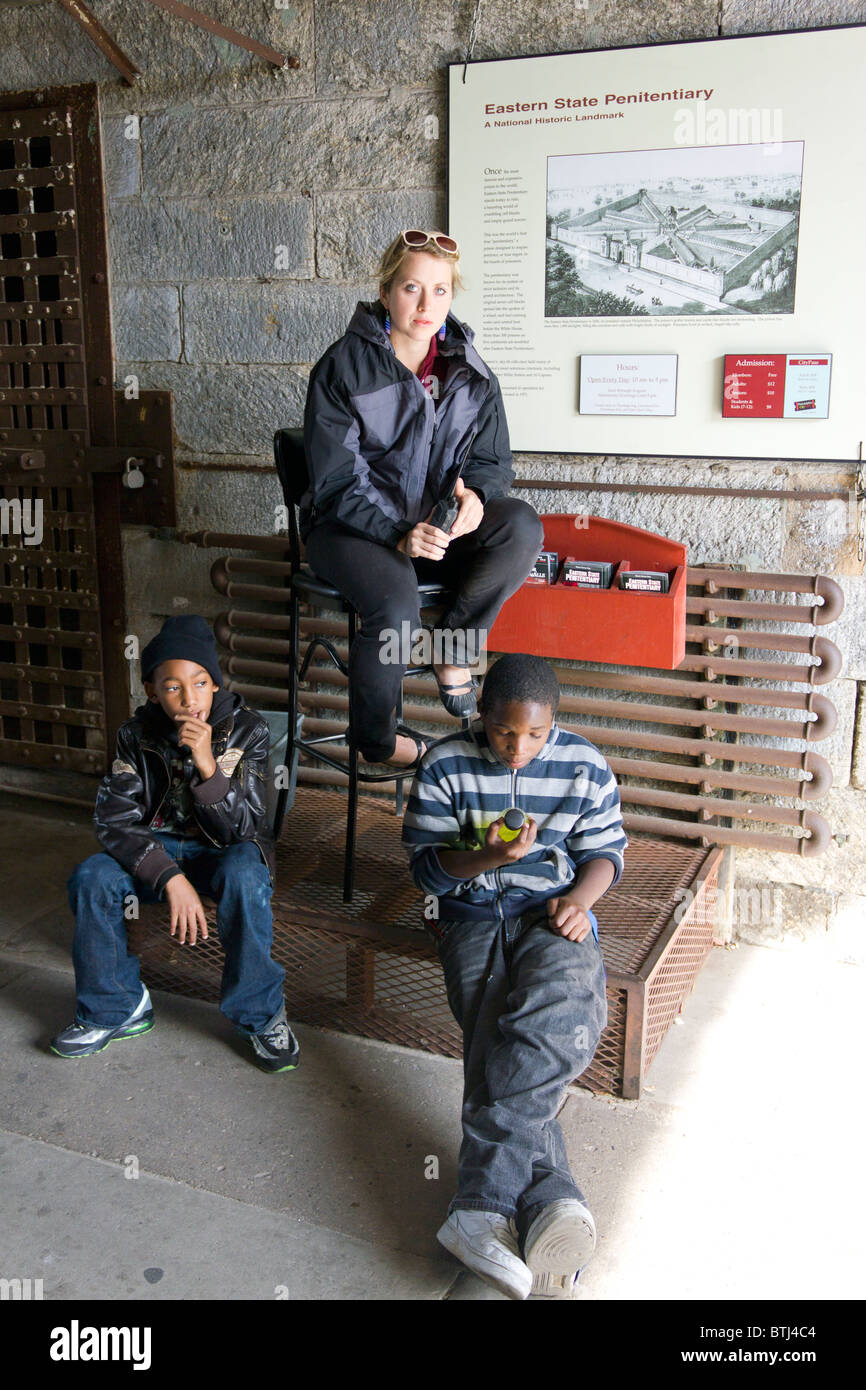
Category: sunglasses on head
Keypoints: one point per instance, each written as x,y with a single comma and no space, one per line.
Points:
417,240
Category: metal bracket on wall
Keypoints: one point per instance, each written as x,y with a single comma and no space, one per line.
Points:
144,426
144,455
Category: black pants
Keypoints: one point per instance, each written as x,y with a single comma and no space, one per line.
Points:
481,569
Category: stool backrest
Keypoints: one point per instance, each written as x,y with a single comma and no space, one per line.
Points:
291,464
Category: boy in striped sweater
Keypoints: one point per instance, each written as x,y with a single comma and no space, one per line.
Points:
523,968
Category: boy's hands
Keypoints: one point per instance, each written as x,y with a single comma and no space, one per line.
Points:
196,734
469,863
568,917
187,912
568,913
497,852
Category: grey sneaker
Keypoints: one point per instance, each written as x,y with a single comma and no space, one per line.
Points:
487,1244
558,1244
82,1039
276,1046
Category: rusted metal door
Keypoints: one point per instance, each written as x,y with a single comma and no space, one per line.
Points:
63,679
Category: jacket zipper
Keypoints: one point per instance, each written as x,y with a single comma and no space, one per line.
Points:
148,748
413,498
450,390
498,871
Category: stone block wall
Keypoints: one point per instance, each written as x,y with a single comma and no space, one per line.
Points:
246,214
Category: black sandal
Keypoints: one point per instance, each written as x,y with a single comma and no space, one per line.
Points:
462,705
421,746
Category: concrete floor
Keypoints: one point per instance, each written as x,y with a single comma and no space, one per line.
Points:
734,1176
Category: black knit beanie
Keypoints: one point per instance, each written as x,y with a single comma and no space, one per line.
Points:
186,638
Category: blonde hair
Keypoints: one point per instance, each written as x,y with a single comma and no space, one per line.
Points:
396,253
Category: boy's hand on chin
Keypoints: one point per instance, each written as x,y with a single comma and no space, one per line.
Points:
196,734
568,918
187,912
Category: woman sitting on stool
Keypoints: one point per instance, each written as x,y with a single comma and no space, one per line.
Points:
391,409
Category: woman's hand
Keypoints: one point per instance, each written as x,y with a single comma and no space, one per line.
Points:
424,540
471,510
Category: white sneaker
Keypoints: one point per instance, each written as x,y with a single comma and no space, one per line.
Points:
558,1244
487,1244
558,1286
83,1039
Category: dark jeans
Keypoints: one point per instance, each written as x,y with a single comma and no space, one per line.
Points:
482,569
107,980
532,1006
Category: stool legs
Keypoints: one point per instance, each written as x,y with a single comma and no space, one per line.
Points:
286,797
398,794
295,740
352,807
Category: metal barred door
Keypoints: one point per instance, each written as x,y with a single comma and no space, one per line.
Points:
63,686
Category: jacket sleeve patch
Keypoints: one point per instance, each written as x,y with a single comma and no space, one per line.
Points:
119,766
228,761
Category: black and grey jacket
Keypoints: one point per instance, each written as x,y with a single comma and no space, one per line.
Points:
378,448
230,807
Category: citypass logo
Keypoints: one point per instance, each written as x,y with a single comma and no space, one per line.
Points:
76,1343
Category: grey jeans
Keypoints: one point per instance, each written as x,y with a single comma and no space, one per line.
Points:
532,1006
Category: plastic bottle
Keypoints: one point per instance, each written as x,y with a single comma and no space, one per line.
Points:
515,819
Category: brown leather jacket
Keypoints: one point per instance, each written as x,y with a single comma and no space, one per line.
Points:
229,808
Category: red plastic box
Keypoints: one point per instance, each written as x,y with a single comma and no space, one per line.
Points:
608,625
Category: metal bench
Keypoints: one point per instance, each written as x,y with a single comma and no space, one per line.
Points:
716,754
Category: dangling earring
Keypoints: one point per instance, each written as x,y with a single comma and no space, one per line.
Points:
388,323
442,334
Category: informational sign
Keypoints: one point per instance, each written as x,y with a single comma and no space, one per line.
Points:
773,387
622,385
672,200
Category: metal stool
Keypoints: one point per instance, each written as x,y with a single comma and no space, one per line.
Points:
291,466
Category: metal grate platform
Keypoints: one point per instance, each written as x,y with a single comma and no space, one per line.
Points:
370,968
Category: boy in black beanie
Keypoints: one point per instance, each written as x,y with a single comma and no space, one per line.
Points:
182,812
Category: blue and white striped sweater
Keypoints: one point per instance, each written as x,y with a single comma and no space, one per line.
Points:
461,786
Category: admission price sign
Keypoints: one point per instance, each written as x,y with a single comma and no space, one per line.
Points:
776,387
